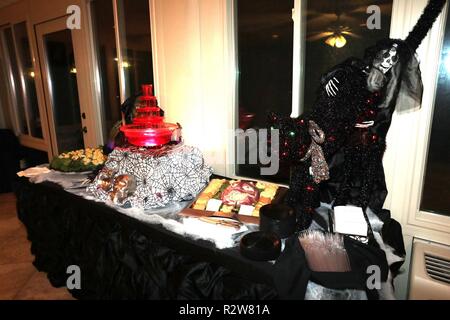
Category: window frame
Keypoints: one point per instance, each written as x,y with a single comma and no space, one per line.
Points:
12,16
35,13
404,177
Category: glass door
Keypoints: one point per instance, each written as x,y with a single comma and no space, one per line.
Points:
59,73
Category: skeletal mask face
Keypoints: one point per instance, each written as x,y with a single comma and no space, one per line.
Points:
387,59
124,186
384,62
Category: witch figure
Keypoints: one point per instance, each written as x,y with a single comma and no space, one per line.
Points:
336,150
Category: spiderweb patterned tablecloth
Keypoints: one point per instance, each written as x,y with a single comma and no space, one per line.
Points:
163,175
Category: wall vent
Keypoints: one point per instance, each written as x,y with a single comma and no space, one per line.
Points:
430,271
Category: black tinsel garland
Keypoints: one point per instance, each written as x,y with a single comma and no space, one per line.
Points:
426,20
336,116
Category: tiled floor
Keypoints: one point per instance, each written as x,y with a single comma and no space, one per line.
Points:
19,279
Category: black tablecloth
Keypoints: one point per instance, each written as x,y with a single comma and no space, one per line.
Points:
10,155
123,258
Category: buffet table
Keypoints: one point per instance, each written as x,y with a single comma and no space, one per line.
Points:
123,258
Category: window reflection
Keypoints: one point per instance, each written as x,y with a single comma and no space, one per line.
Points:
102,16
265,49
134,30
133,23
335,31
64,90
20,73
436,189
15,82
28,74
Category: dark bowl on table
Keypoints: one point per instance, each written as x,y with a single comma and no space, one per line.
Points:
279,219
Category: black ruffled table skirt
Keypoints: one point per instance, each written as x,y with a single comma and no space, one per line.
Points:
123,258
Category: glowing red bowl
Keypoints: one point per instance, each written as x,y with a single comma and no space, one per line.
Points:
141,135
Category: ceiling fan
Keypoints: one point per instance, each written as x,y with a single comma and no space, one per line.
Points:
335,23
334,35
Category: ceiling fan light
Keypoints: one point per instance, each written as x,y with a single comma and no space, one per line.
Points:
340,41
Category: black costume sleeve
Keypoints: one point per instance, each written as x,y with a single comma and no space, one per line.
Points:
420,31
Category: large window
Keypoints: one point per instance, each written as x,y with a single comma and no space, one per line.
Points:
20,80
135,43
102,15
332,31
265,48
335,31
436,189
125,23
14,76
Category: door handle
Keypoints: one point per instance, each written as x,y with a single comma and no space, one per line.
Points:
84,130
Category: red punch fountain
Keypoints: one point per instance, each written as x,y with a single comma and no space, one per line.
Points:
148,128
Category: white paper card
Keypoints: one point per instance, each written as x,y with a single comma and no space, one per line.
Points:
350,220
213,205
246,210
